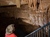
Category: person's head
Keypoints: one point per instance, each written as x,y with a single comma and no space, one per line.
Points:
10,28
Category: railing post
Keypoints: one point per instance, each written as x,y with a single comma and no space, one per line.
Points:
49,31
41,32
44,32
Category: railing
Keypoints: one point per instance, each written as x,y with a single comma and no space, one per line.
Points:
44,31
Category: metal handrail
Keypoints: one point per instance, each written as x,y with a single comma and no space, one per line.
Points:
38,29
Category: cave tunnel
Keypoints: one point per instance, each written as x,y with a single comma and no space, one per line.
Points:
21,28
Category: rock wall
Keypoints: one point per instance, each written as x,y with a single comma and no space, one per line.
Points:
29,17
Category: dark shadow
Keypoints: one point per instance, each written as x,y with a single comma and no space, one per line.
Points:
23,28
7,6
4,22
38,3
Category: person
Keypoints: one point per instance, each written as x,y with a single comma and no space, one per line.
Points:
9,31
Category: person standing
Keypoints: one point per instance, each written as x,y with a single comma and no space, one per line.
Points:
9,31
